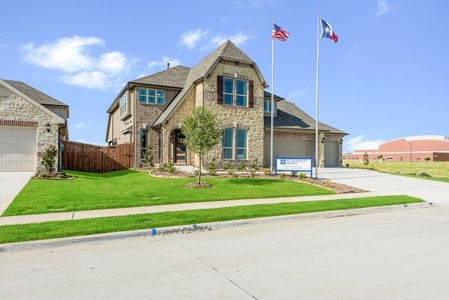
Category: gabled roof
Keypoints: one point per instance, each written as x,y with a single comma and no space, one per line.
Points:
172,77
289,116
267,95
34,94
226,51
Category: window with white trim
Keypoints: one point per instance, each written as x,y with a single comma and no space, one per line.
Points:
151,96
228,91
123,103
240,144
227,140
267,106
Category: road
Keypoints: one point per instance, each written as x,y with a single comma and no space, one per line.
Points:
392,255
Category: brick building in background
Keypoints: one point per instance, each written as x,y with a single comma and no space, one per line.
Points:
416,148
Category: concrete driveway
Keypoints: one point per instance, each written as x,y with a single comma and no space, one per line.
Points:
392,255
11,183
428,190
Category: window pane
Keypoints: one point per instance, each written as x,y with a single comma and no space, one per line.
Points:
160,100
227,153
241,87
142,91
241,154
227,137
152,99
142,99
241,101
267,105
160,93
152,92
228,99
240,138
228,85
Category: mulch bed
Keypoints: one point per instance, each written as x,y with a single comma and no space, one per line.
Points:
196,185
336,187
53,176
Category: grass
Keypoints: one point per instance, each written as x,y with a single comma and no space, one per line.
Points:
129,188
438,171
49,230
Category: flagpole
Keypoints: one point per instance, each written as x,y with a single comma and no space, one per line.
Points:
317,95
272,103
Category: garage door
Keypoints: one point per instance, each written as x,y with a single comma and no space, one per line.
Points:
288,146
17,149
331,155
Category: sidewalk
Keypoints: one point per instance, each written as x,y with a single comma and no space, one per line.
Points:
114,212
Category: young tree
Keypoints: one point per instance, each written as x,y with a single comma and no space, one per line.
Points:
365,159
49,159
201,132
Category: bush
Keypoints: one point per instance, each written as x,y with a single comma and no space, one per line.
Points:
427,159
231,172
148,156
212,168
281,175
227,166
170,168
424,175
365,159
241,166
268,173
301,176
346,165
49,159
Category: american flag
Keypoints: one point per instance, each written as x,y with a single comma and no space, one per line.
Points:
279,33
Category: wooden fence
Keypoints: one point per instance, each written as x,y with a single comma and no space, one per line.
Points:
92,158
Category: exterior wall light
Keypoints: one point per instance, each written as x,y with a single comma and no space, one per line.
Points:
48,126
323,140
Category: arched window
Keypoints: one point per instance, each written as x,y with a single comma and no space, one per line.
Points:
227,141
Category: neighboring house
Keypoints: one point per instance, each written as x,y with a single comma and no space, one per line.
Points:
30,122
414,148
149,112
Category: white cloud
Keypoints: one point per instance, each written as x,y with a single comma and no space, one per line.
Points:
254,3
191,38
298,93
71,56
360,142
238,39
163,62
382,7
88,79
80,125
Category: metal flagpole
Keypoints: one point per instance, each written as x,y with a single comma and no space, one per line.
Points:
272,102
317,94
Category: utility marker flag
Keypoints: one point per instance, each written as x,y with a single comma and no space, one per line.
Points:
327,32
279,33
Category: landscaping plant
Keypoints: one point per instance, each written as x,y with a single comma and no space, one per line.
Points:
201,132
365,159
49,159
148,156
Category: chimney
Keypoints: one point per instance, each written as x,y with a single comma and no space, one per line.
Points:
168,65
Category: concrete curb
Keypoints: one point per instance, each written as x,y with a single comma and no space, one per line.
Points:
153,232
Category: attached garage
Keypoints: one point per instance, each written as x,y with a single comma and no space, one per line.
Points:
331,157
288,145
17,149
30,122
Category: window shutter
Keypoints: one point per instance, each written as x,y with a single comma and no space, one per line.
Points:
220,90
251,93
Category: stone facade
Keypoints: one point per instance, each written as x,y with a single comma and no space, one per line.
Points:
14,107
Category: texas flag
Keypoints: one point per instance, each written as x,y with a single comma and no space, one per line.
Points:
327,32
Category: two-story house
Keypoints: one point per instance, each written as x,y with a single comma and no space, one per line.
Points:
149,112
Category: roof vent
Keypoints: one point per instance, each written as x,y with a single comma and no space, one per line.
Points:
168,65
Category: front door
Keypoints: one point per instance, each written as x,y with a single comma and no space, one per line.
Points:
179,148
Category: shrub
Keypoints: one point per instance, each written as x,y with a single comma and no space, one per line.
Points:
49,159
268,173
231,172
212,167
227,166
170,168
424,174
148,156
427,159
365,159
241,166
281,175
302,176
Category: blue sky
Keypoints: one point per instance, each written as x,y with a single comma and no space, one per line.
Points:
385,78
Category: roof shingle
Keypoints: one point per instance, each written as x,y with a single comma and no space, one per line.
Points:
173,77
35,94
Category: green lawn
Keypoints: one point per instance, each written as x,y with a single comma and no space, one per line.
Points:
49,230
129,188
439,171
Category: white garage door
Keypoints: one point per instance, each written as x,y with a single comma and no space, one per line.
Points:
288,146
17,149
331,155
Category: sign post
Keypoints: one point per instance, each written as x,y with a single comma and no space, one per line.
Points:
293,164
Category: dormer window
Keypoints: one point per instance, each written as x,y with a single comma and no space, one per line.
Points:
235,92
267,105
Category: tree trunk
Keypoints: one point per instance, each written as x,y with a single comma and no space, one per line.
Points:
199,171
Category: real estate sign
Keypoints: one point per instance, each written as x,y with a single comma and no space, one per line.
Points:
291,164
